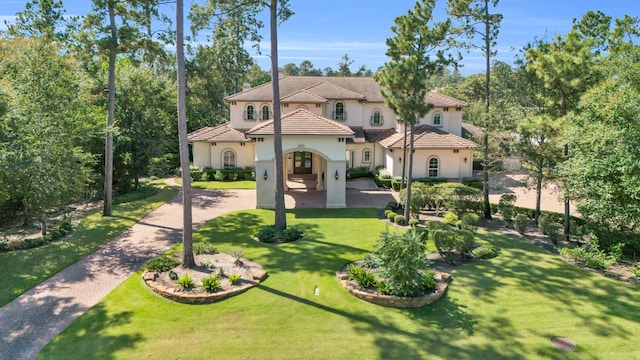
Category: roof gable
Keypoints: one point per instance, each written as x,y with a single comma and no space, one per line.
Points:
221,133
303,122
333,91
304,96
429,137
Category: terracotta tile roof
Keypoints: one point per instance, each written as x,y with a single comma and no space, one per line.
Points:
369,135
428,137
470,131
441,100
304,122
333,91
332,88
304,96
220,133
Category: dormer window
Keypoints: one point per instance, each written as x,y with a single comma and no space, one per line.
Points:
265,113
437,119
339,112
376,118
250,113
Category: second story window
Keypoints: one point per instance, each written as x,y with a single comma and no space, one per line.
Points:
250,113
376,118
266,113
339,113
437,119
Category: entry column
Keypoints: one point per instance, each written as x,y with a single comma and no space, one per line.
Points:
335,179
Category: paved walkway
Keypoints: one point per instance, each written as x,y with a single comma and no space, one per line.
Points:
30,321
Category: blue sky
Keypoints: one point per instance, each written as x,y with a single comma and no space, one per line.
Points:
323,31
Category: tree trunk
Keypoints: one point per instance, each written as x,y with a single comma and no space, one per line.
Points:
188,260
567,205
280,212
111,108
487,103
407,205
43,224
404,157
538,194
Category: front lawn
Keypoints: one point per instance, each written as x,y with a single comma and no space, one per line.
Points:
23,269
508,307
222,185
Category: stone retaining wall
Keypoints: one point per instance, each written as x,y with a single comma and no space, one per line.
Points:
391,300
198,297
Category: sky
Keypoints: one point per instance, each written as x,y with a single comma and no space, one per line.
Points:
323,31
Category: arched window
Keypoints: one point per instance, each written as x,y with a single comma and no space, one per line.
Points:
228,158
376,117
250,113
339,113
433,167
266,113
437,119
366,156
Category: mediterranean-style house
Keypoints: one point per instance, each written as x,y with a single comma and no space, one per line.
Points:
330,124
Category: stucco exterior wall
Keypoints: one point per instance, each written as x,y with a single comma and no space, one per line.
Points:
202,154
451,164
206,154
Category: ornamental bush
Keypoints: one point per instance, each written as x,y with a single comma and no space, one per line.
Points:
200,248
362,276
403,262
162,263
520,222
399,219
185,281
211,283
269,234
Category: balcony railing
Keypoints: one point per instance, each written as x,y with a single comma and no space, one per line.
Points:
376,120
340,116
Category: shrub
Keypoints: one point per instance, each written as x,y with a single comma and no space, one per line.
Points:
635,271
521,221
391,216
185,281
414,222
391,205
399,219
162,263
590,256
450,218
543,223
30,243
211,283
506,208
420,193
459,198
66,225
403,260
359,172
485,251
553,231
472,182
428,279
269,234
4,246
196,173
372,261
207,264
200,248
238,254
234,279
453,243
362,276
470,221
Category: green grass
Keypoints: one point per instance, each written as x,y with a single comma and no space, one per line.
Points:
504,308
21,270
222,185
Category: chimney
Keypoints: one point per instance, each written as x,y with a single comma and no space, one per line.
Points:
246,86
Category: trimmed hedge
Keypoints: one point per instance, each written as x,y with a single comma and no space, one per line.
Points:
359,172
226,174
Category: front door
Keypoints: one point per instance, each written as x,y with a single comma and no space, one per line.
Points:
302,162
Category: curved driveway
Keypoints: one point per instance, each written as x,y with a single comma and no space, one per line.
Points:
30,321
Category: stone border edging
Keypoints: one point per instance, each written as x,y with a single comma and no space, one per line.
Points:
392,300
189,297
